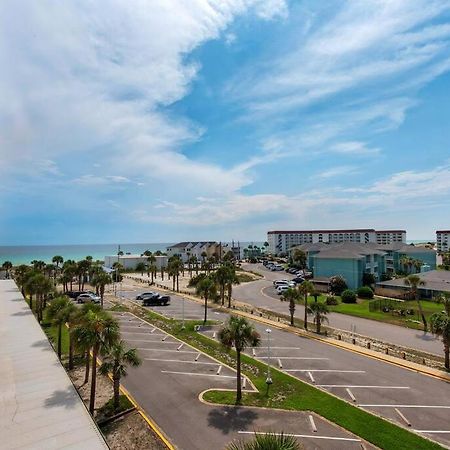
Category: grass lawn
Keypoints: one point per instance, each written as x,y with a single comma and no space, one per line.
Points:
52,333
361,309
292,394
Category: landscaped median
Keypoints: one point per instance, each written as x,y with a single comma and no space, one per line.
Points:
289,393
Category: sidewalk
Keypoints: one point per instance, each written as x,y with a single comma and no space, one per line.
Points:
40,408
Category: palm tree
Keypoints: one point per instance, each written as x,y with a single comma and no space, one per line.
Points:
21,275
232,280
206,288
440,326
100,280
319,311
221,276
60,310
115,361
240,334
292,296
140,267
39,285
7,265
100,331
305,289
57,259
267,441
175,267
413,282
153,269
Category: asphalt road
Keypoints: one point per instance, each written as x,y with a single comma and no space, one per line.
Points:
172,376
380,387
261,293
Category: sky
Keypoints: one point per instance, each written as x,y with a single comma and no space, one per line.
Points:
167,120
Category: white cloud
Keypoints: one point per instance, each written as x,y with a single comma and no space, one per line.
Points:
337,172
354,148
95,180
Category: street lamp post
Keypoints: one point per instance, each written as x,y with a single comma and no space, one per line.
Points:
182,312
269,378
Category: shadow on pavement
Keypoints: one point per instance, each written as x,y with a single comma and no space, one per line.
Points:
43,343
66,398
230,419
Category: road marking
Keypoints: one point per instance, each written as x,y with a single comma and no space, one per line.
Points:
194,374
253,352
332,438
164,338
165,350
152,331
403,417
148,340
181,361
294,357
145,332
406,406
312,423
325,370
219,370
281,348
433,431
311,377
198,356
358,386
350,394
180,346
279,363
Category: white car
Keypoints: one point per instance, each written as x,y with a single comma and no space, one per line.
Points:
88,298
283,288
277,283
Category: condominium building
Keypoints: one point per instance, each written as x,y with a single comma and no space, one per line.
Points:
443,240
281,241
390,236
198,249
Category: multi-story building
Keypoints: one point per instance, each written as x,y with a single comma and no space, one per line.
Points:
351,260
281,241
390,236
443,241
198,249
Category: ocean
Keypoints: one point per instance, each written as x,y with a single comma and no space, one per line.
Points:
26,254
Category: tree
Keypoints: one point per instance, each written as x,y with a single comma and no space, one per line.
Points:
100,280
267,441
319,311
60,311
232,280
57,259
7,265
141,267
100,331
207,289
222,274
40,286
116,359
337,285
368,279
175,267
413,282
240,334
305,289
299,258
440,326
292,296
21,275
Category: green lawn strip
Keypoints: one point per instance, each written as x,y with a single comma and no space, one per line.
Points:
52,333
292,394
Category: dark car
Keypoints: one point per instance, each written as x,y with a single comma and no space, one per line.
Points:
74,294
298,280
145,294
156,300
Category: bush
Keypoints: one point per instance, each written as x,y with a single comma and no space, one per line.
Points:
332,301
348,296
365,292
368,279
337,285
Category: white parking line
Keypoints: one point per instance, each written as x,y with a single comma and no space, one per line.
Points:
294,357
406,406
332,438
194,374
145,332
433,431
402,417
180,346
165,350
181,361
325,370
150,340
358,386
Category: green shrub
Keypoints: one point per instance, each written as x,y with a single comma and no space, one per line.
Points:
332,301
365,292
337,285
348,296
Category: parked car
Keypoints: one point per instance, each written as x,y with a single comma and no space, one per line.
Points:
88,297
144,294
298,280
156,300
276,267
277,283
74,294
283,288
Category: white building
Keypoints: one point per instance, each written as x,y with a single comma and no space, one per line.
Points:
390,236
131,261
443,240
188,249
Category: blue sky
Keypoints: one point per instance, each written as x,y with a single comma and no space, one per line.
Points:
157,121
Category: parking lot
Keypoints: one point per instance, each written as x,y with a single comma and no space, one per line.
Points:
412,400
173,374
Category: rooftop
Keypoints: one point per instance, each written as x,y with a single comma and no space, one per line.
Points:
40,406
435,280
356,230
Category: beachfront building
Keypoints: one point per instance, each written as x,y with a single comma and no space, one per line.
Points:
390,236
435,283
443,241
129,262
351,260
201,250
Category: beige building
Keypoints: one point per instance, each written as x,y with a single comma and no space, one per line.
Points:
188,249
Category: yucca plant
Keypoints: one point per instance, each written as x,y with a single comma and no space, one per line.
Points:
267,441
